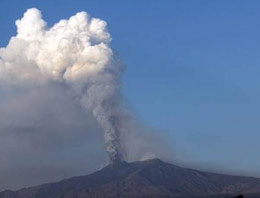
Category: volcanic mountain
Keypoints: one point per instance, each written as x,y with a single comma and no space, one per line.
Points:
143,179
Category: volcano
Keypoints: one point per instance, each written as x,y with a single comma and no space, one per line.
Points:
143,179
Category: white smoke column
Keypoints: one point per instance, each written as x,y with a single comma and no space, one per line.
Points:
75,52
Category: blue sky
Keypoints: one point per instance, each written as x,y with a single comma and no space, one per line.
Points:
192,70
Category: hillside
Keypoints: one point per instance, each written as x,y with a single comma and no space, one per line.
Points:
151,178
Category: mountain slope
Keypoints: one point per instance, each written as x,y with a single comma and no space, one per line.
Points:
151,178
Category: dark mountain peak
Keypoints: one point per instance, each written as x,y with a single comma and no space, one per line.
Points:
115,166
148,178
153,161
119,165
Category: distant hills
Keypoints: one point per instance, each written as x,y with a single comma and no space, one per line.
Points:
144,179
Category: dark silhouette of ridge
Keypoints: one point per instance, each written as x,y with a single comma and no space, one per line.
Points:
143,179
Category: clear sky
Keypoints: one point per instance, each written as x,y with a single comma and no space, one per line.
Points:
192,70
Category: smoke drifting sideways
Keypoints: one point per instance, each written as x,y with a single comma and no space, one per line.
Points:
77,53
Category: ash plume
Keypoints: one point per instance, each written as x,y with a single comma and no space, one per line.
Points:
74,52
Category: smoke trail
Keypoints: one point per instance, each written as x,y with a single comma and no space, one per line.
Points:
75,52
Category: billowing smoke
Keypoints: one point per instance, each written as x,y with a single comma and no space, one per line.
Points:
76,53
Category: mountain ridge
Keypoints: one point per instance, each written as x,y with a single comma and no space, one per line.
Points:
149,178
